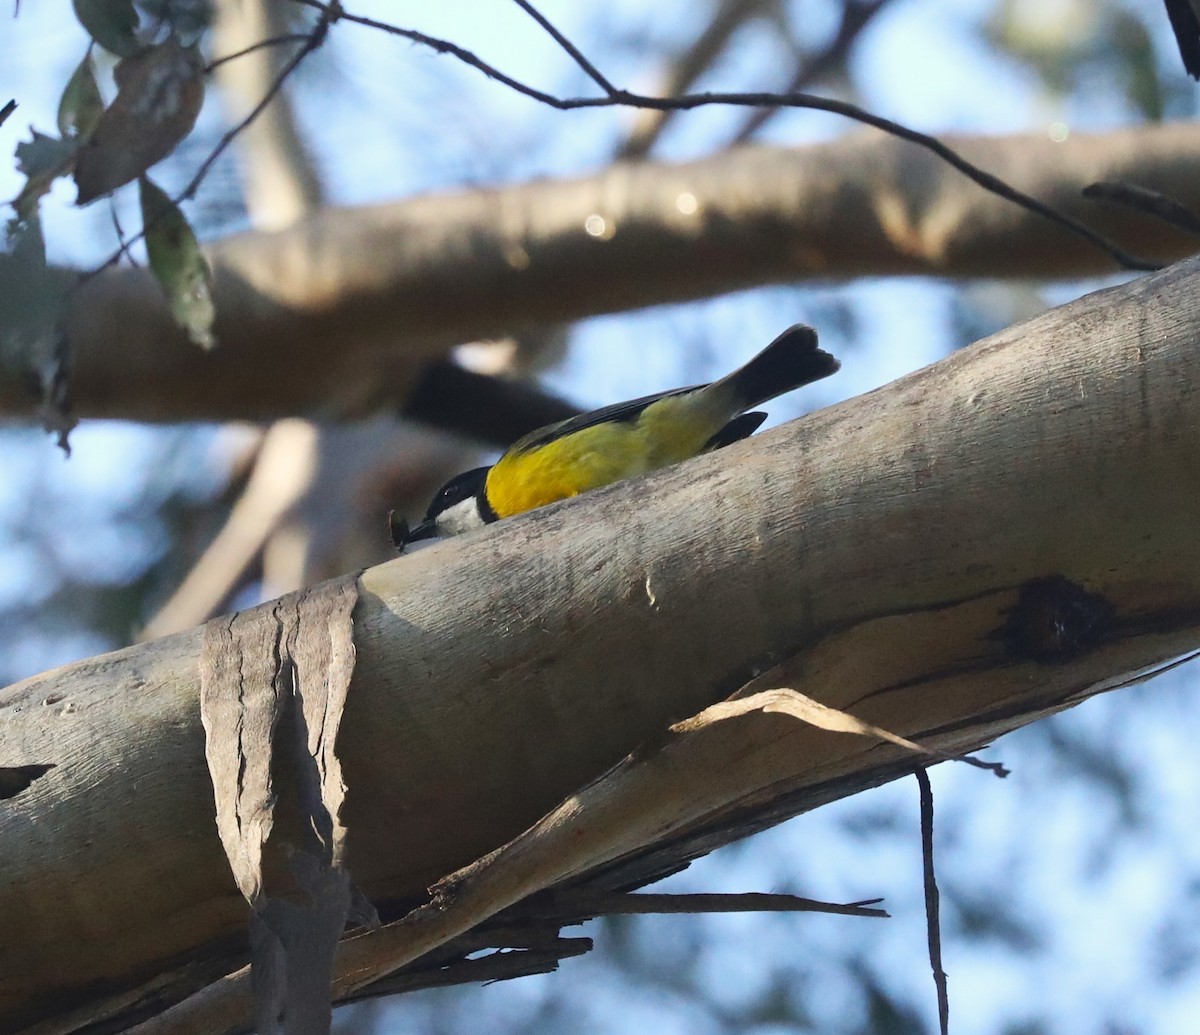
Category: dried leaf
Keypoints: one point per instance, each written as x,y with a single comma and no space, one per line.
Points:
81,104
178,264
160,91
42,160
111,23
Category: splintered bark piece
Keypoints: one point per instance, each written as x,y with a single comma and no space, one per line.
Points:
273,687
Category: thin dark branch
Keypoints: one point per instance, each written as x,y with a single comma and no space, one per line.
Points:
7,110
274,41
932,901
997,768
118,229
856,16
625,98
984,179
312,41
441,46
575,53
587,903
1150,202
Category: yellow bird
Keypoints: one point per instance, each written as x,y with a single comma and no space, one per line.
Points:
621,441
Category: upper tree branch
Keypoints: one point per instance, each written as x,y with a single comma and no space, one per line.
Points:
341,313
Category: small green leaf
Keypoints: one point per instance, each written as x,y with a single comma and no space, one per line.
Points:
111,23
81,104
42,160
178,264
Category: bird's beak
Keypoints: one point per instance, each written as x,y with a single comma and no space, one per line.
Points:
425,530
402,535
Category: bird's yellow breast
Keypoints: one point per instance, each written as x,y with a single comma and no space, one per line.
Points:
669,430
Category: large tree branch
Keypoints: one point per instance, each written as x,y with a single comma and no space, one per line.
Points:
983,542
341,312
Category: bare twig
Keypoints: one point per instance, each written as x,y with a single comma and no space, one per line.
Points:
577,56
1150,202
932,901
996,768
274,41
588,903
118,229
7,110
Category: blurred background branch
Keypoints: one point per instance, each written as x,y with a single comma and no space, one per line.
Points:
354,303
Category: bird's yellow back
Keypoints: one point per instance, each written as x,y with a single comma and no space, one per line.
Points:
667,431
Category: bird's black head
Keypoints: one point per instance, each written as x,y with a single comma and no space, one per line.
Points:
459,506
460,487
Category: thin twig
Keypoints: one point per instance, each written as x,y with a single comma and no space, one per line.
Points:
441,46
687,102
7,110
311,42
1149,202
575,53
274,41
118,229
996,768
932,901
584,902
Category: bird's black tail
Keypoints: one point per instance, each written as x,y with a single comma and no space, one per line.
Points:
790,361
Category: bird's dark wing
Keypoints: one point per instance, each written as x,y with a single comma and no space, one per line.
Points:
622,411
742,426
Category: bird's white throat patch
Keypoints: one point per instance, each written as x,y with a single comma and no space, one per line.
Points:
462,517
